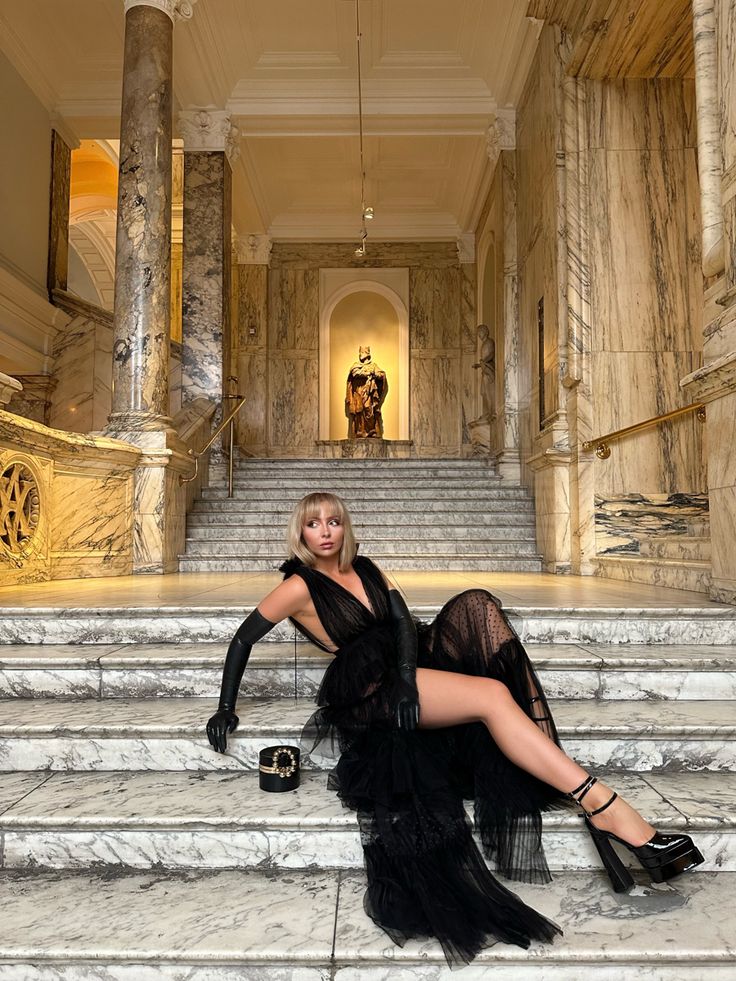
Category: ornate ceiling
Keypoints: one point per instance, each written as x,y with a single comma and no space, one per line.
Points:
435,74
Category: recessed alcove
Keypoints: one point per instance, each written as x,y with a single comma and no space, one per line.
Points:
363,308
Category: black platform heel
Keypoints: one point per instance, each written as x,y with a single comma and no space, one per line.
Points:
663,856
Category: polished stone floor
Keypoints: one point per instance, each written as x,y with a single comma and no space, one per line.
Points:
202,589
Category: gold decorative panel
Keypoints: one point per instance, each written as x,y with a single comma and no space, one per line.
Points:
20,508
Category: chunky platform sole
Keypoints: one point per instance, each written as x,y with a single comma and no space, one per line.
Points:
669,861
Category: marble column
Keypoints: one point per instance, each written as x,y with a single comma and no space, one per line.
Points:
715,382
709,143
210,142
61,169
143,255
508,457
142,317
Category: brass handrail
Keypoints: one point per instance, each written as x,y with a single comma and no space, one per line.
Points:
600,443
230,421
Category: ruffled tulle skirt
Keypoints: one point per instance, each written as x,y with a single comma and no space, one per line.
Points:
426,875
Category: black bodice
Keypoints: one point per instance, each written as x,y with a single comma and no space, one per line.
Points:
342,615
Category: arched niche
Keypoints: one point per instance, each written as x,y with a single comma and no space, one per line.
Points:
363,312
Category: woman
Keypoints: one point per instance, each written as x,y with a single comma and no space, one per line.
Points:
426,716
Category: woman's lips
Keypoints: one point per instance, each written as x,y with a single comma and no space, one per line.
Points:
327,545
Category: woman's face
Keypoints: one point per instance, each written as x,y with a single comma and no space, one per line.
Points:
323,534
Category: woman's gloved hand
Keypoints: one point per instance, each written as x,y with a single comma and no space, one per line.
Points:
225,720
221,723
407,710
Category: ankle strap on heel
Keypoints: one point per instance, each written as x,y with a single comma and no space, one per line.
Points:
580,792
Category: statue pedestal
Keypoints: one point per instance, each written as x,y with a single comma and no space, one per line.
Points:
364,449
480,437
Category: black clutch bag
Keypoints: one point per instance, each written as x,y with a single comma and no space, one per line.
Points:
278,768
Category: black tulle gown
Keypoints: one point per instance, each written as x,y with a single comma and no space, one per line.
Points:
426,876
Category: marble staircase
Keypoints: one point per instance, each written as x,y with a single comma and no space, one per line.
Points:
111,800
676,561
420,514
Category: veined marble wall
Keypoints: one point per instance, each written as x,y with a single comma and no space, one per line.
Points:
646,280
249,356
82,367
609,237
277,343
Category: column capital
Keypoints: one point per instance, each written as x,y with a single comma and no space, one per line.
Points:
501,134
209,129
254,250
175,9
466,247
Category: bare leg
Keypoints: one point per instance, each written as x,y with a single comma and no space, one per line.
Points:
448,698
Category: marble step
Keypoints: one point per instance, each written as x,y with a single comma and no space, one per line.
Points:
409,506
683,547
365,464
699,527
213,819
372,475
307,925
597,671
686,574
389,522
685,624
426,535
208,545
360,492
169,734
446,562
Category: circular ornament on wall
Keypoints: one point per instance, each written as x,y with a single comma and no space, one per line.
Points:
20,508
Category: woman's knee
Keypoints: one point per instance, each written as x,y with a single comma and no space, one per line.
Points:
496,695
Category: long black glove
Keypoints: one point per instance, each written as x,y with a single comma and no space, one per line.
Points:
407,711
225,720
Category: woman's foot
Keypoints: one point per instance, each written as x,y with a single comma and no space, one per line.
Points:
620,818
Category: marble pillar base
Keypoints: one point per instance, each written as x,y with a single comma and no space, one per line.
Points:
551,468
715,384
508,465
362,449
480,437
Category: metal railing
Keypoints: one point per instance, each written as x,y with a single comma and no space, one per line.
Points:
230,423
600,443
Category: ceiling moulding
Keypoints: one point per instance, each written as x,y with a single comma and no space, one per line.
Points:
315,228
27,67
281,97
380,125
299,59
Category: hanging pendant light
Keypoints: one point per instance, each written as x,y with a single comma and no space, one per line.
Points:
366,210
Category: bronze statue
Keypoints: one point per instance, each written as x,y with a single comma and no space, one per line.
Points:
366,391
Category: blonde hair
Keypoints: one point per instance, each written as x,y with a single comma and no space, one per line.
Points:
309,507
